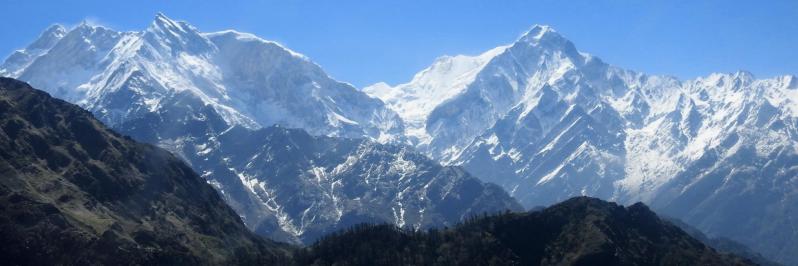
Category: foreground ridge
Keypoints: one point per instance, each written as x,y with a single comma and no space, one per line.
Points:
74,192
578,231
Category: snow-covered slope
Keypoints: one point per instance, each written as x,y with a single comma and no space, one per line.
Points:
548,122
414,100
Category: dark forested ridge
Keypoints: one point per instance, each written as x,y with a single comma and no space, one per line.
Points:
74,192
579,231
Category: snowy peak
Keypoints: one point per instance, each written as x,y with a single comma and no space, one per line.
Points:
49,37
247,80
160,18
22,58
540,57
728,80
545,36
70,62
87,36
163,23
85,28
177,36
479,89
378,90
540,32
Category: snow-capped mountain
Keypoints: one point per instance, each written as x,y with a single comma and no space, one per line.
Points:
212,98
548,122
249,81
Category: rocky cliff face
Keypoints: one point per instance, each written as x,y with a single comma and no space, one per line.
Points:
290,185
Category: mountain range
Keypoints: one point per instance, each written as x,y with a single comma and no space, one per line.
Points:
537,117
229,104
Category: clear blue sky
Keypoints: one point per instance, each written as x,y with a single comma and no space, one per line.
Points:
363,42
